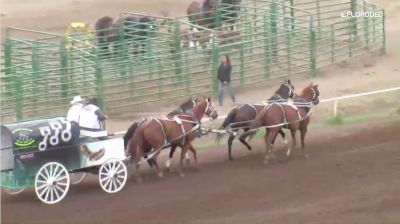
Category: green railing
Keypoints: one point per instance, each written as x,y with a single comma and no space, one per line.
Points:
271,39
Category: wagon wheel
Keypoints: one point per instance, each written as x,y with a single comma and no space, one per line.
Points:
77,177
112,175
52,182
11,191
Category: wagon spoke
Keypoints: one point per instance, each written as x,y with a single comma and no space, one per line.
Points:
121,171
115,184
42,186
41,181
118,167
59,188
51,171
62,178
62,184
107,182
43,176
51,194
121,176
47,173
105,177
118,181
112,166
47,193
106,168
61,172
56,191
110,186
44,191
55,172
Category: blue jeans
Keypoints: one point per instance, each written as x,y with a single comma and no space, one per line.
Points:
221,88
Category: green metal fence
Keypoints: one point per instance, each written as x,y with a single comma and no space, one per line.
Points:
271,39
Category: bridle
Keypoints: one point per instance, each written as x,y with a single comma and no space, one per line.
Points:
210,110
291,90
314,97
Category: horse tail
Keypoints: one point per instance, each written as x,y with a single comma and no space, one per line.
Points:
228,120
129,133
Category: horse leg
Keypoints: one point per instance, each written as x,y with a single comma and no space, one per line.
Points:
230,141
293,134
187,158
156,166
243,141
183,152
303,131
193,150
171,154
269,136
137,162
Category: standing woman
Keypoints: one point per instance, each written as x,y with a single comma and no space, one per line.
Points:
224,78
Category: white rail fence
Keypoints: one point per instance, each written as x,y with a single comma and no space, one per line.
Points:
335,100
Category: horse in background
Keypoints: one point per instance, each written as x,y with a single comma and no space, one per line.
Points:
240,118
136,31
204,13
294,116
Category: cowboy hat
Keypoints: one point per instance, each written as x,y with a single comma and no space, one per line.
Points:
77,99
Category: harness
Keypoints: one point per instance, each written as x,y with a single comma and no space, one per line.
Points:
290,88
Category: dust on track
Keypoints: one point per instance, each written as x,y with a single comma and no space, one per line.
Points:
351,177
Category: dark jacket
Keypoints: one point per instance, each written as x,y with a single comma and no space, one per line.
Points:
224,73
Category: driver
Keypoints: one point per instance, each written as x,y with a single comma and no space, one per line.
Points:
76,105
91,117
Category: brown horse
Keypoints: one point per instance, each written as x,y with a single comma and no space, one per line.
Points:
204,13
242,116
136,30
152,135
292,116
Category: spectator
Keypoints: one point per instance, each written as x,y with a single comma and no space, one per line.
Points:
224,78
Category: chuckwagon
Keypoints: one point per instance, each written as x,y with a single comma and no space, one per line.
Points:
46,153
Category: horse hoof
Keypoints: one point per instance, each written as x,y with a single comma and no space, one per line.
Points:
288,152
249,148
231,158
160,175
182,175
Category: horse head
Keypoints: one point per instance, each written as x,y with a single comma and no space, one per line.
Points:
311,93
285,91
203,107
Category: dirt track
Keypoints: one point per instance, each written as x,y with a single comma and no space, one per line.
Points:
351,177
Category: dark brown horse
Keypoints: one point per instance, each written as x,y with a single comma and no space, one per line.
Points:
294,116
204,13
242,116
185,107
136,30
151,135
